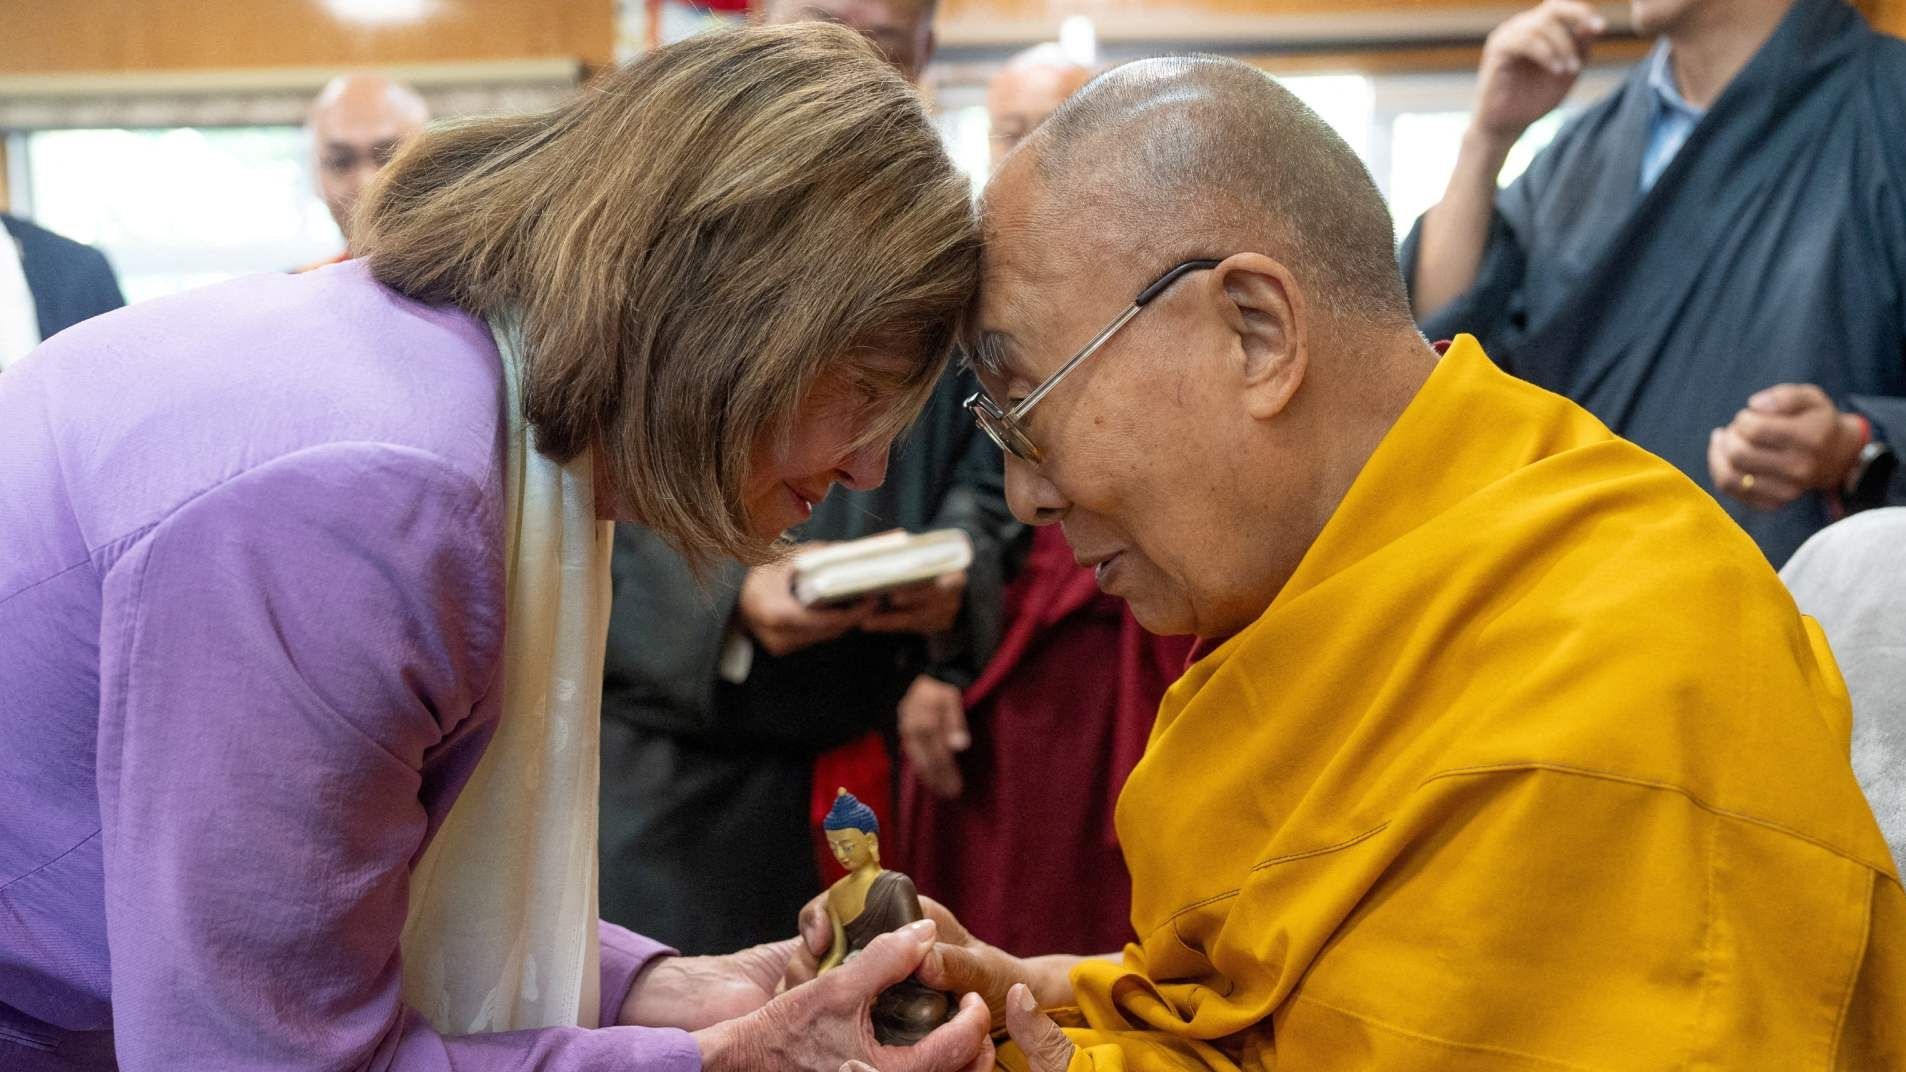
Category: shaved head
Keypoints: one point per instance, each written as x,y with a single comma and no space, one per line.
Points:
1198,152
357,123
1199,439
1030,87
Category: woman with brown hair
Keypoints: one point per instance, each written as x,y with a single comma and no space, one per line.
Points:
304,581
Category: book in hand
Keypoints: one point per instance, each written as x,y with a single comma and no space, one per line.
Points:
844,572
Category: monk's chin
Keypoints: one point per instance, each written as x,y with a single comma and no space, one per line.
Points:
1154,619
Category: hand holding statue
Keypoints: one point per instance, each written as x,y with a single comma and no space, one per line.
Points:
825,1024
959,962
697,992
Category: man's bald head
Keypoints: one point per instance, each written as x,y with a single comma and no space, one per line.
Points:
357,123
1196,155
1030,87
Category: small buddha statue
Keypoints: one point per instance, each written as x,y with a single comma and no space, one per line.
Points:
870,902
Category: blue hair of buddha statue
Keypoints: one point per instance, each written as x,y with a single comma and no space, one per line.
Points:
848,813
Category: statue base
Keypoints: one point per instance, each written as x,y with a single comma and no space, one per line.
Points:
908,1011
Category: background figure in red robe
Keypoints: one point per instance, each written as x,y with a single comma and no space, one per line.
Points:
1057,720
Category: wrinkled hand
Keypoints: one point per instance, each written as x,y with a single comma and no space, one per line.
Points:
926,608
932,731
779,623
824,1025
1530,62
1047,1048
695,992
1790,439
959,962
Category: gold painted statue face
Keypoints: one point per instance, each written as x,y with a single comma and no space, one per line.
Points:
854,849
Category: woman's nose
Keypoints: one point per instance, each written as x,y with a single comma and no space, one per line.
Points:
866,468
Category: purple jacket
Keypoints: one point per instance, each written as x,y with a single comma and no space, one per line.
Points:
251,618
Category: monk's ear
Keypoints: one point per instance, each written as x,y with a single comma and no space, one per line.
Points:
1261,303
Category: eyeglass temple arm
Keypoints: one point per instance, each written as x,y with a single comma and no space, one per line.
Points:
1091,348
1144,297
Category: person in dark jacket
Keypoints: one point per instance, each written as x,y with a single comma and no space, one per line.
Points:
48,283
1711,259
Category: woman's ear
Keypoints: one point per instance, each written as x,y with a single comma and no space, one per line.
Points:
1260,301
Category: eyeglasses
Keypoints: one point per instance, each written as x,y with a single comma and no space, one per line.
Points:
1006,426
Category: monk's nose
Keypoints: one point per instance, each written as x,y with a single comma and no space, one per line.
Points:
1031,494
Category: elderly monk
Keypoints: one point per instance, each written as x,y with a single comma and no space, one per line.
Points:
1507,749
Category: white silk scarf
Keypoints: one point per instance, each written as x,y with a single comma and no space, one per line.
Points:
501,932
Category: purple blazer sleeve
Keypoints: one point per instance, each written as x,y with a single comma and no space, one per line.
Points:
285,662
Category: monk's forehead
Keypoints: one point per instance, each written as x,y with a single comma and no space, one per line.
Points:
1036,249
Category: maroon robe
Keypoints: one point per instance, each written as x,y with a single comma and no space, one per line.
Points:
1026,856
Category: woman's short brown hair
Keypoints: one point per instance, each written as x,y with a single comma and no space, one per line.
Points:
689,244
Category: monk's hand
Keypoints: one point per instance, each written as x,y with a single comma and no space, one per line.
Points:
926,608
696,992
959,963
1047,1048
933,732
824,1025
1528,65
1791,439
778,622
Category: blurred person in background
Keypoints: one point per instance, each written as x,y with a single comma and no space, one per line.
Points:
357,123
1027,764
1712,259
48,283
731,716
1027,89
901,29
304,582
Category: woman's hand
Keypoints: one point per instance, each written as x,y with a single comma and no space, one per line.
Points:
696,992
959,962
823,1025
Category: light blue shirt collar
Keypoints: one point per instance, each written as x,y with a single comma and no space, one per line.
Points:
1661,80
1672,120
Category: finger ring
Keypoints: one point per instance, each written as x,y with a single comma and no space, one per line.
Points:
1747,482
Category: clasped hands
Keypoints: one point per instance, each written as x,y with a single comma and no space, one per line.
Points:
1789,440
765,1008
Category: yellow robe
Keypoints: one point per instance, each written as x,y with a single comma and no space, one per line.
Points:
1532,765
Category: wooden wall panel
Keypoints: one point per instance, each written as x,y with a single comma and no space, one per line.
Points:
63,36
1331,22
1887,15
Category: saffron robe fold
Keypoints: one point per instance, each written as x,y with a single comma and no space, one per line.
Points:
1531,764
